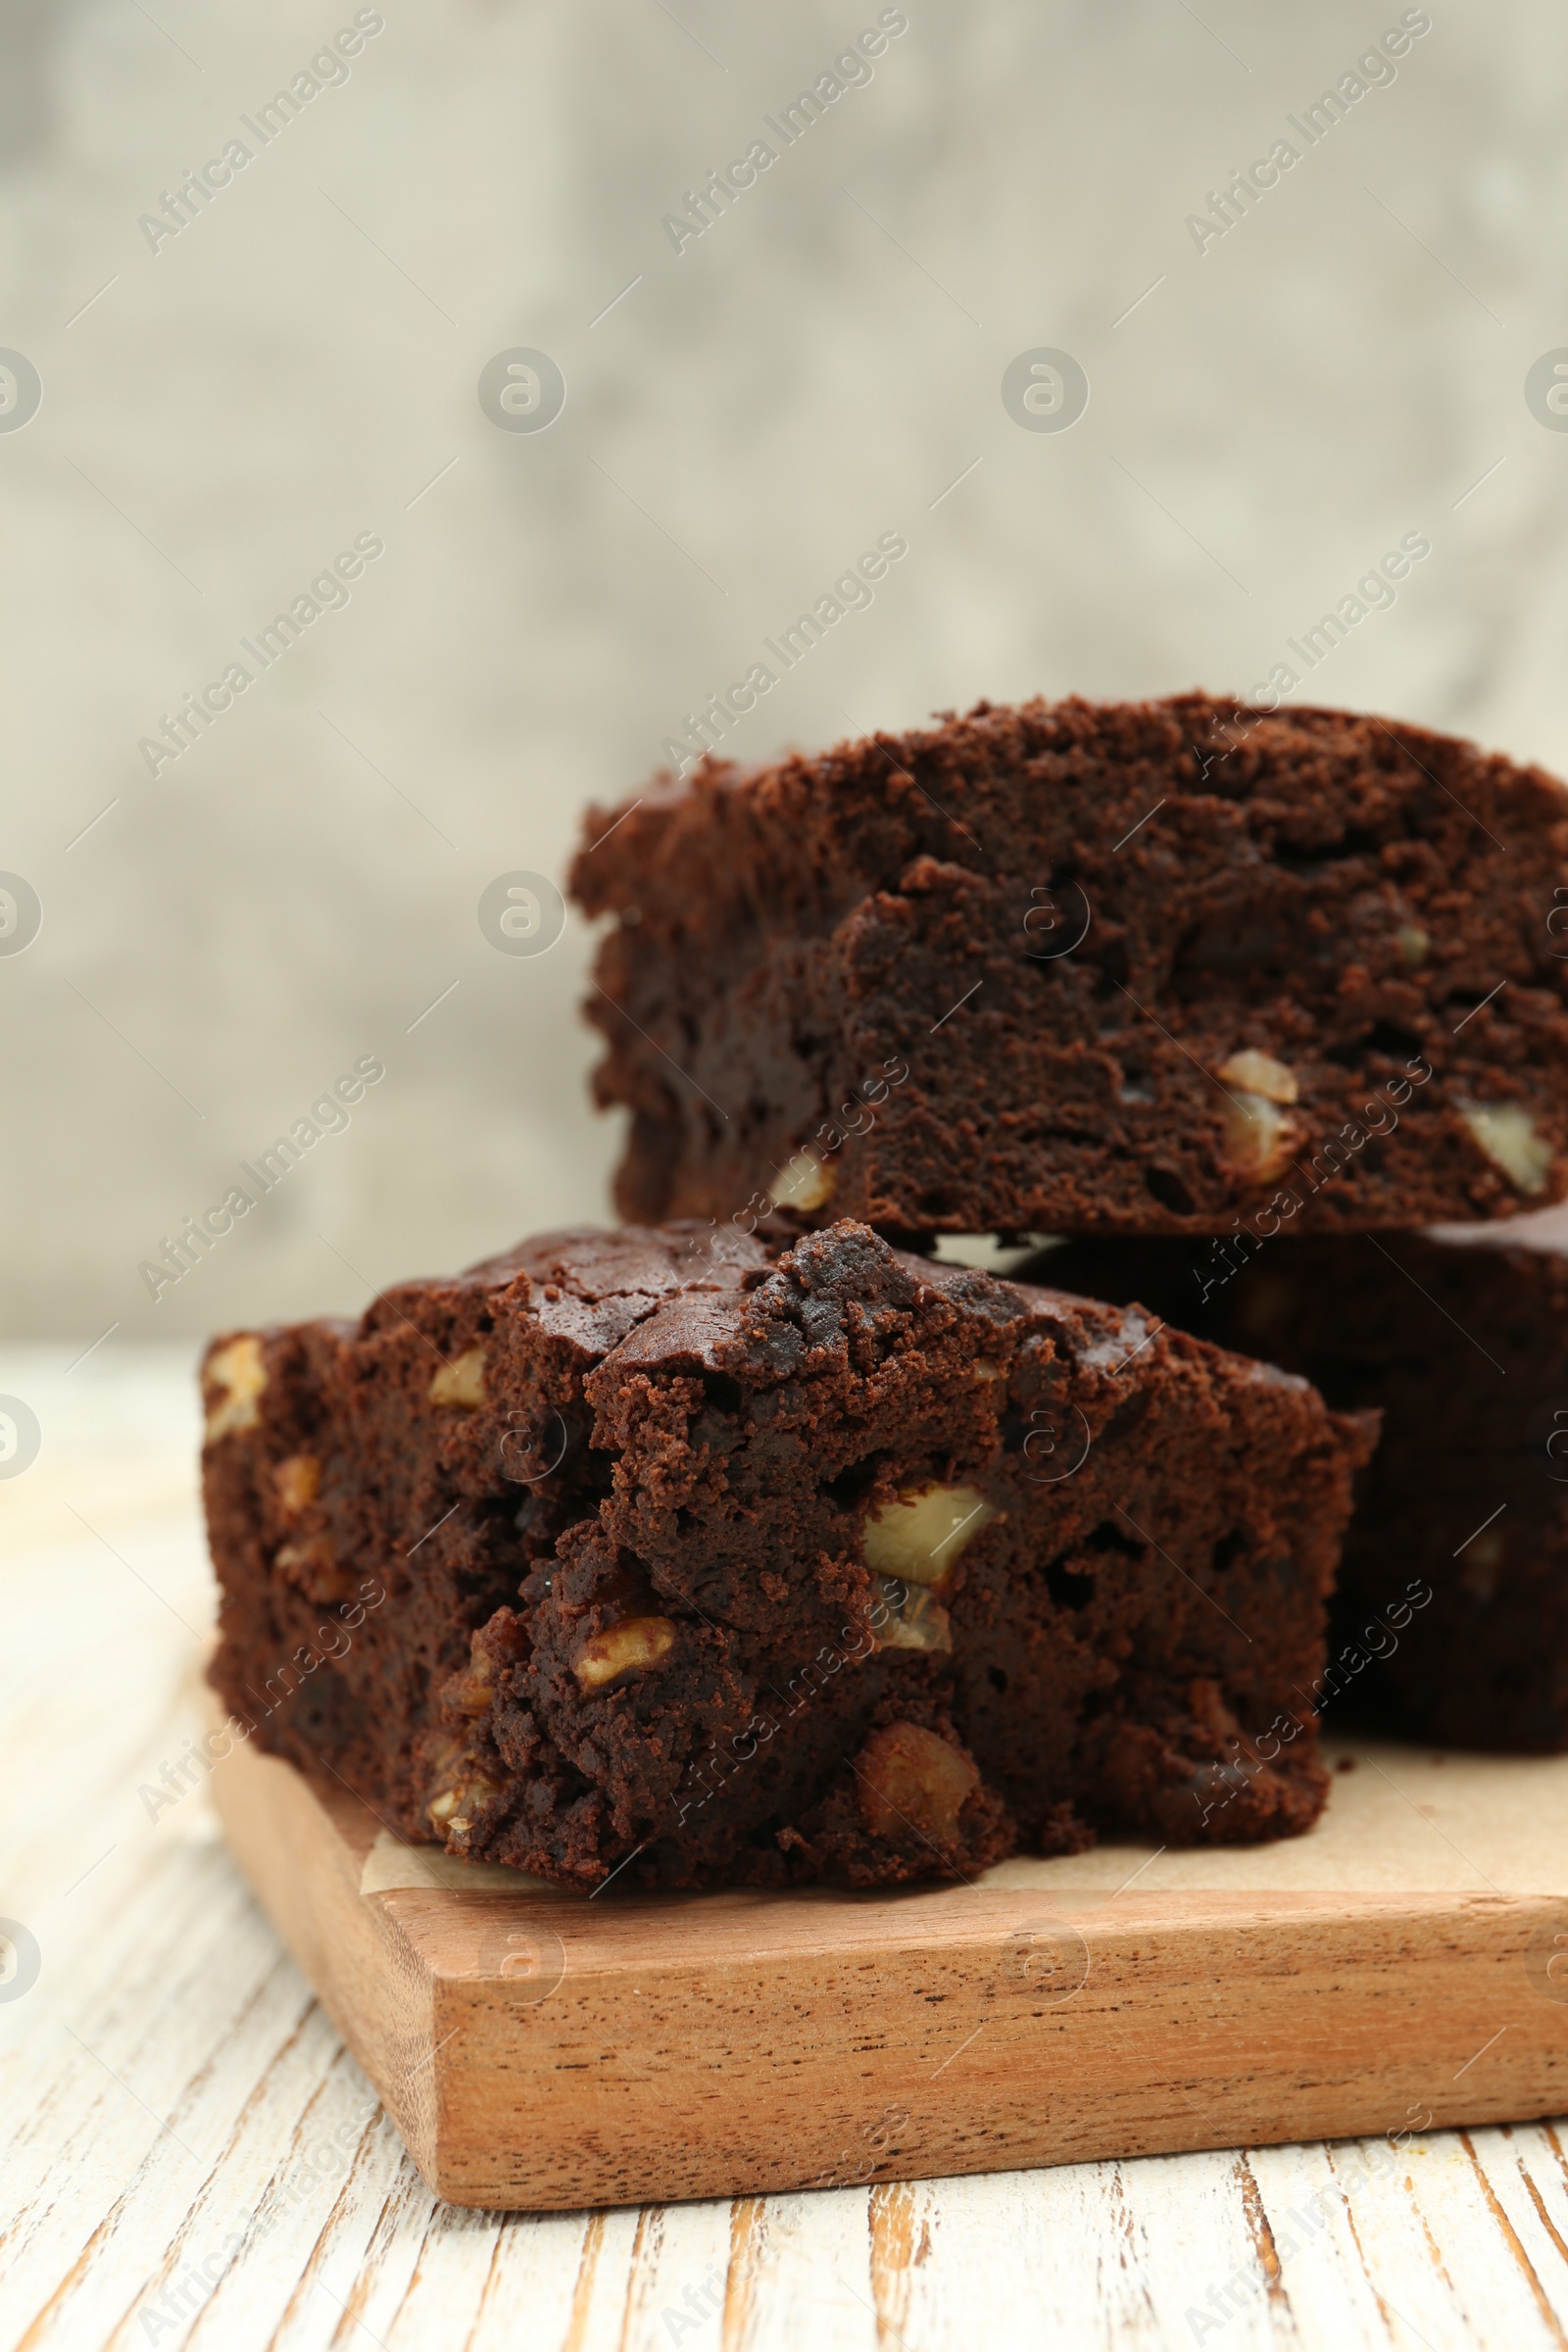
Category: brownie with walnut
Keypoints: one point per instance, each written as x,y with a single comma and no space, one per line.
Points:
716,1562
1451,1622
1142,965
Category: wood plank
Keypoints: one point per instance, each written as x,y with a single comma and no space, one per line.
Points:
539,2050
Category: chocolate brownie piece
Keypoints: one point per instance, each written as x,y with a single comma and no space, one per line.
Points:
1452,1617
1091,968
704,1564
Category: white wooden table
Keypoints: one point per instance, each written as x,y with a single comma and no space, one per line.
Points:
192,2156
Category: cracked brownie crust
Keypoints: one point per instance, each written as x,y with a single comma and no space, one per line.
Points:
1095,968
750,1564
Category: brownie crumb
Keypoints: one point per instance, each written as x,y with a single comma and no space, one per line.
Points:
1450,1621
650,1557
1092,968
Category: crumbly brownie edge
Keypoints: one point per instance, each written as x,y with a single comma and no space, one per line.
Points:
1451,1622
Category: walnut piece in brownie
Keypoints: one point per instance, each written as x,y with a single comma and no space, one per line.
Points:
1461,1340
762,1566
1091,968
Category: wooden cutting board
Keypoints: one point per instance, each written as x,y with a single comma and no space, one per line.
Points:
1404,1965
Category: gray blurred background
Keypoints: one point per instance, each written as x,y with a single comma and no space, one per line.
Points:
226,409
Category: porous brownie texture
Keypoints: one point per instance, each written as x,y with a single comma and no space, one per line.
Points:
1451,1622
720,1562
1083,967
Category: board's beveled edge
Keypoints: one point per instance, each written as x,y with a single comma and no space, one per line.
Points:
772,2050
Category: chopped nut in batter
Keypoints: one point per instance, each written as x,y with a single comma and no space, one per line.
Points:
452,1811
914,1620
1480,1563
298,1480
239,1375
909,1778
315,1569
1259,1138
473,1692
461,1384
919,1536
1258,1073
1506,1134
807,1183
636,1642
